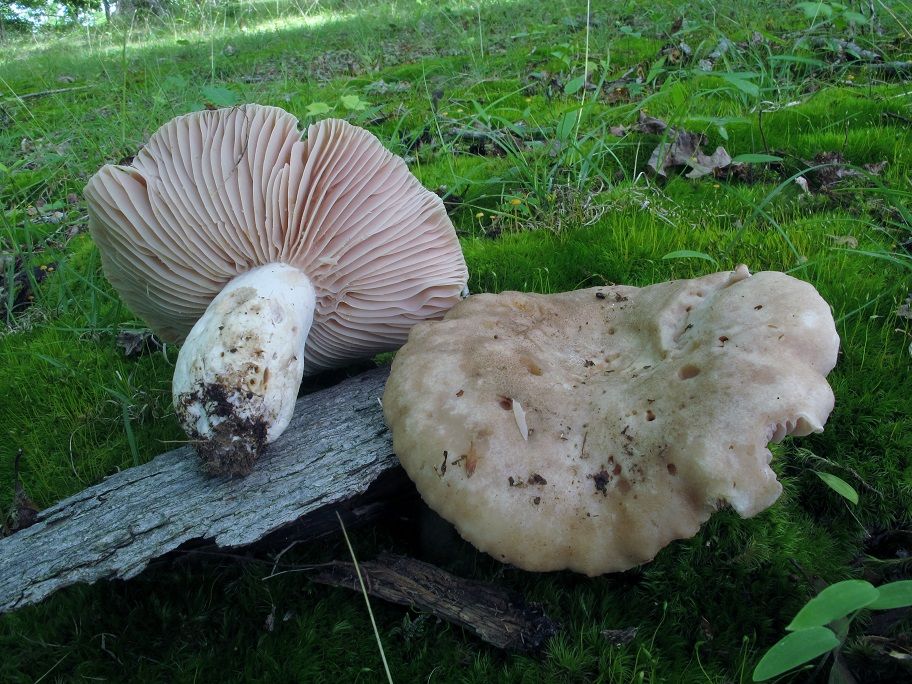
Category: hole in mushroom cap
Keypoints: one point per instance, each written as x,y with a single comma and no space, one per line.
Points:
650,415
672,469
505,403
689,371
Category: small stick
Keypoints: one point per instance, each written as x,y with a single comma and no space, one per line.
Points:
496,615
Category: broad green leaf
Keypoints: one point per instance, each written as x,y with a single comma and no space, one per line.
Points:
834,602
742,84
723,133
793,650
573,85
798,59
855,17
756,159
657,68
815,9
354,103
175,81
566,125
893,595
838,485
220,97
317,108
690,254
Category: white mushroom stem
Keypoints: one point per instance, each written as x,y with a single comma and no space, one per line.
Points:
239,370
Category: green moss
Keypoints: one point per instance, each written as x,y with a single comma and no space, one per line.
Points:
705,608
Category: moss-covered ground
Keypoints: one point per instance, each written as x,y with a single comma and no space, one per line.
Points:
550,200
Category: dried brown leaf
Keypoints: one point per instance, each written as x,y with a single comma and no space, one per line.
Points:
138,343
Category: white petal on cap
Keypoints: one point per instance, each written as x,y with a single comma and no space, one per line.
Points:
214,194
646,410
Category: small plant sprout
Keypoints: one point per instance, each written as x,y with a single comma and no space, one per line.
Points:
821,627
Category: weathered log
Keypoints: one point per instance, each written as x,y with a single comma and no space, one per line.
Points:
497,615
336,446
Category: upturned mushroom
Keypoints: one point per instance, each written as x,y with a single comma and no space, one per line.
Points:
588,429
270,257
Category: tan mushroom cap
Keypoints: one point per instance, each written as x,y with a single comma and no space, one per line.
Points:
588,429
214,194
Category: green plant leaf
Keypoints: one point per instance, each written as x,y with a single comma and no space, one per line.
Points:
657,68
834,602
742,84
317,108
855,17
840,486
798,59
793,650
690,254
815,9
353,103
756,159
219,96
573,85
175,81
566,125
893,595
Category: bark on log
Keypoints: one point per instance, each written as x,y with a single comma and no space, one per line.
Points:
336,446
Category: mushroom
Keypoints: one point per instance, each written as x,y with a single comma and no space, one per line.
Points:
643,412
270,257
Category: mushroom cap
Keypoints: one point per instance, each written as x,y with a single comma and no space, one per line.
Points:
216,193
588,429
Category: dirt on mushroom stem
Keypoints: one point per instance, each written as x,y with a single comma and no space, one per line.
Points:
234,444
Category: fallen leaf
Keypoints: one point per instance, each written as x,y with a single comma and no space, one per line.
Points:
905,309
876,168
802,183
645,124
684,150
835,169
138,343
677,54
381,87
844,240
